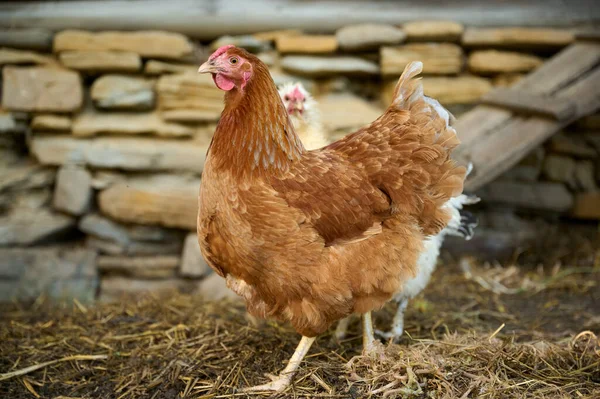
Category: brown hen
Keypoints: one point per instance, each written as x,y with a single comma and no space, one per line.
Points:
311,237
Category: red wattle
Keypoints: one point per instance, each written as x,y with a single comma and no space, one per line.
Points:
222,82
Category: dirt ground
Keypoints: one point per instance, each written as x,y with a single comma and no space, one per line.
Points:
479,330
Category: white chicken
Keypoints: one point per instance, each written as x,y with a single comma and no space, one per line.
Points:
304,114
462,224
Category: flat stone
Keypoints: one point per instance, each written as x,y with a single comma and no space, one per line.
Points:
10,56
487,62
147,44
104,178
153,234
155,67
189,115
30,39
25,175
73,190
192,261
105,247
458,90
539,196
99,226
437,58
150,267
325,66
116,288
433,31
529,168
134,248
587,206
214,288
270,58
123,92
584,177
61,273
101,61
166,200
27,227
368,36
248,42
51,123
12,127
346,111
125,153
189,92
559,168
447,90
22,202
125,234
507,79
339,84
91,124
308,44
8,124
571,145
40,89
281,78
517,37
273,35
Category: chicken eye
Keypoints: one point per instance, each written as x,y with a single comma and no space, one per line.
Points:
304,99
286,98
233,60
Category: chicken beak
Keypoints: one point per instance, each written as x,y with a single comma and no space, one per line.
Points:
208,67
298,106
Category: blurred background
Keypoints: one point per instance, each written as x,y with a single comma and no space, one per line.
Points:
104,124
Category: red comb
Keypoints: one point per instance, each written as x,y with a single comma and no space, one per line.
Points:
220,51
296,92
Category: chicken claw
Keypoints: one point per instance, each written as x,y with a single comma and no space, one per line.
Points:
397,325
279,384
282,381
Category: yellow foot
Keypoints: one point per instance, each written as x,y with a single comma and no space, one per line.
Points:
373,348
277,384
391,336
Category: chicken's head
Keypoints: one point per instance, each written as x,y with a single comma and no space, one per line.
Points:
229,68
294,98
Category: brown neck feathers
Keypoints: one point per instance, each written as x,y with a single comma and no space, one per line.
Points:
254,136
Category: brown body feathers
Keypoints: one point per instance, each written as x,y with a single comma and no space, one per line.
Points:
313,236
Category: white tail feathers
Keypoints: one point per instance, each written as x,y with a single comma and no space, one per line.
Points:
409,86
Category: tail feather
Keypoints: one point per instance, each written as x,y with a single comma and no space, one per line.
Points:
437,139
468,222
409,95
406,153
463,222
409,86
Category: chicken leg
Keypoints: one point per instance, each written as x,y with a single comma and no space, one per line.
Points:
398,324
281,382
368,337
342,328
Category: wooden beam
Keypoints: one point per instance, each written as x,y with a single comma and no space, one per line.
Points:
559,71
588,35
524,102
519,135
207,19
